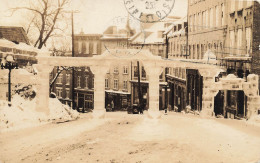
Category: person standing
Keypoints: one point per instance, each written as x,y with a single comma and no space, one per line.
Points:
112,105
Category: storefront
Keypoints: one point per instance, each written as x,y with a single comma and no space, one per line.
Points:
145,93
177,99
84,99
194,89
117,100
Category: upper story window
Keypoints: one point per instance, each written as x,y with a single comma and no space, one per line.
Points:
211,18
232,5
217,15
249,3
106,83
67,79
59,79
248,40
143,72
79,47
125,85
125,69
116,70
86,82
222,14
87,47
78,82
135,71
116,84
95,46
59,92
67,93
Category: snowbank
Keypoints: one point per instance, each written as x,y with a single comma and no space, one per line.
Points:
254,120
22,113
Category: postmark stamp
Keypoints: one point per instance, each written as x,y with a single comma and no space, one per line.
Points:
149,11
117,38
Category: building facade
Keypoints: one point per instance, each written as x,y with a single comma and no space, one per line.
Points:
225,31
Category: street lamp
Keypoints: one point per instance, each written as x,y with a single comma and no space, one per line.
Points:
9,64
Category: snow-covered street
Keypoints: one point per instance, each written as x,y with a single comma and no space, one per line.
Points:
122,137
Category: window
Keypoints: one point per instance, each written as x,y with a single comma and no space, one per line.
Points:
125,69
116,84
232,5
67,79
78,82
86,82
191,28
217,16
87,47
116,70
239,40
93,82
106,83
135,71
249,3
223,14
59,92
95,48
203,20
59,79
232,40
211,18
240,4
195,22
67,93
125,85
80,47
248,40
199,21
143,73
207,19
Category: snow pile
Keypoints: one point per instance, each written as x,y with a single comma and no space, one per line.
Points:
59,111
19,115
23,114
254,120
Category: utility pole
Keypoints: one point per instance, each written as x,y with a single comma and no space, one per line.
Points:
140,105
73,55
187,33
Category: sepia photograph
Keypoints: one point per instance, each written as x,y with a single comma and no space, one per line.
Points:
130,81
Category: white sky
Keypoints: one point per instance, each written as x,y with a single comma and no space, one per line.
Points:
93,17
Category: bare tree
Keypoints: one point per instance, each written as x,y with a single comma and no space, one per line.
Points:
47,18
59,71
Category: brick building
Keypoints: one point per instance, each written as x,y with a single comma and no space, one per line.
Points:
86,45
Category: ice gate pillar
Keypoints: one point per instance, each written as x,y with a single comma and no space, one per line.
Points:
154,71
42,94
99,91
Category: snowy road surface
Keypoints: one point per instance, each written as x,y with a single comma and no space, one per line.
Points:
135,139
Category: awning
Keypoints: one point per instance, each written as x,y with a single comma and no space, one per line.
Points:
117,92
